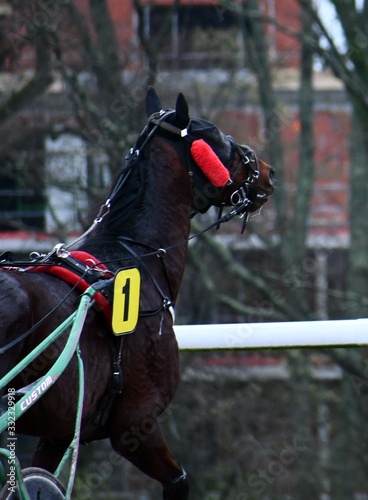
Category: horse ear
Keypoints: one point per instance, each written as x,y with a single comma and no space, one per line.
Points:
182,111
153,103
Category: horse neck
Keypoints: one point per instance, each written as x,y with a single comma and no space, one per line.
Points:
160,219
162,216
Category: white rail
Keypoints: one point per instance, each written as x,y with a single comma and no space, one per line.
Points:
298,334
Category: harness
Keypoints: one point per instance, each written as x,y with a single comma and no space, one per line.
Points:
81,270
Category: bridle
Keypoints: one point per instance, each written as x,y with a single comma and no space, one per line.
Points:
245,192
243,195
247,157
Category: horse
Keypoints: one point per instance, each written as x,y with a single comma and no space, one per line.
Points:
179,166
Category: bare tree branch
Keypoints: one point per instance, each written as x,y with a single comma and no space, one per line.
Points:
36,86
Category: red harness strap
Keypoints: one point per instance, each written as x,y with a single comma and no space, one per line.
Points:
75,280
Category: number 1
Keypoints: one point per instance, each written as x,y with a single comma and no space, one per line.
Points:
125,310
126,290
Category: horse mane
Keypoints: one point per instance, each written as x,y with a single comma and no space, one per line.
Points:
128,189
128,186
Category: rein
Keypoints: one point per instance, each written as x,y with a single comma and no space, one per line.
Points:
60,249
166,304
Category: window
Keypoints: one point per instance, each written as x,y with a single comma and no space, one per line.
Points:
21,206
194,36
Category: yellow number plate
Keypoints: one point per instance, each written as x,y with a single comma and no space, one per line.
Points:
125,308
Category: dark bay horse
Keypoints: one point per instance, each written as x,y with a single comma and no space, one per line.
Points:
178,167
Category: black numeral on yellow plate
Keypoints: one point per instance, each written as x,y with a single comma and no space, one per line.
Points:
125,310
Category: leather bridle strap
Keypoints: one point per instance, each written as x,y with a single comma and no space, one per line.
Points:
247,157
167,126
167,303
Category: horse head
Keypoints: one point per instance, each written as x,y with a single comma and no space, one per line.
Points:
222,172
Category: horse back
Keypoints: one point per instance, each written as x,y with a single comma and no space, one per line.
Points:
15,318
37,303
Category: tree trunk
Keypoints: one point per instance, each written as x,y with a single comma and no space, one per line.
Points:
358,210
303,195
258,59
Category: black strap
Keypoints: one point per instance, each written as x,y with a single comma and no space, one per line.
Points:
170,128
6,257
166,302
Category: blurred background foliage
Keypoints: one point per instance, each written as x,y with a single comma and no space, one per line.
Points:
73,76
